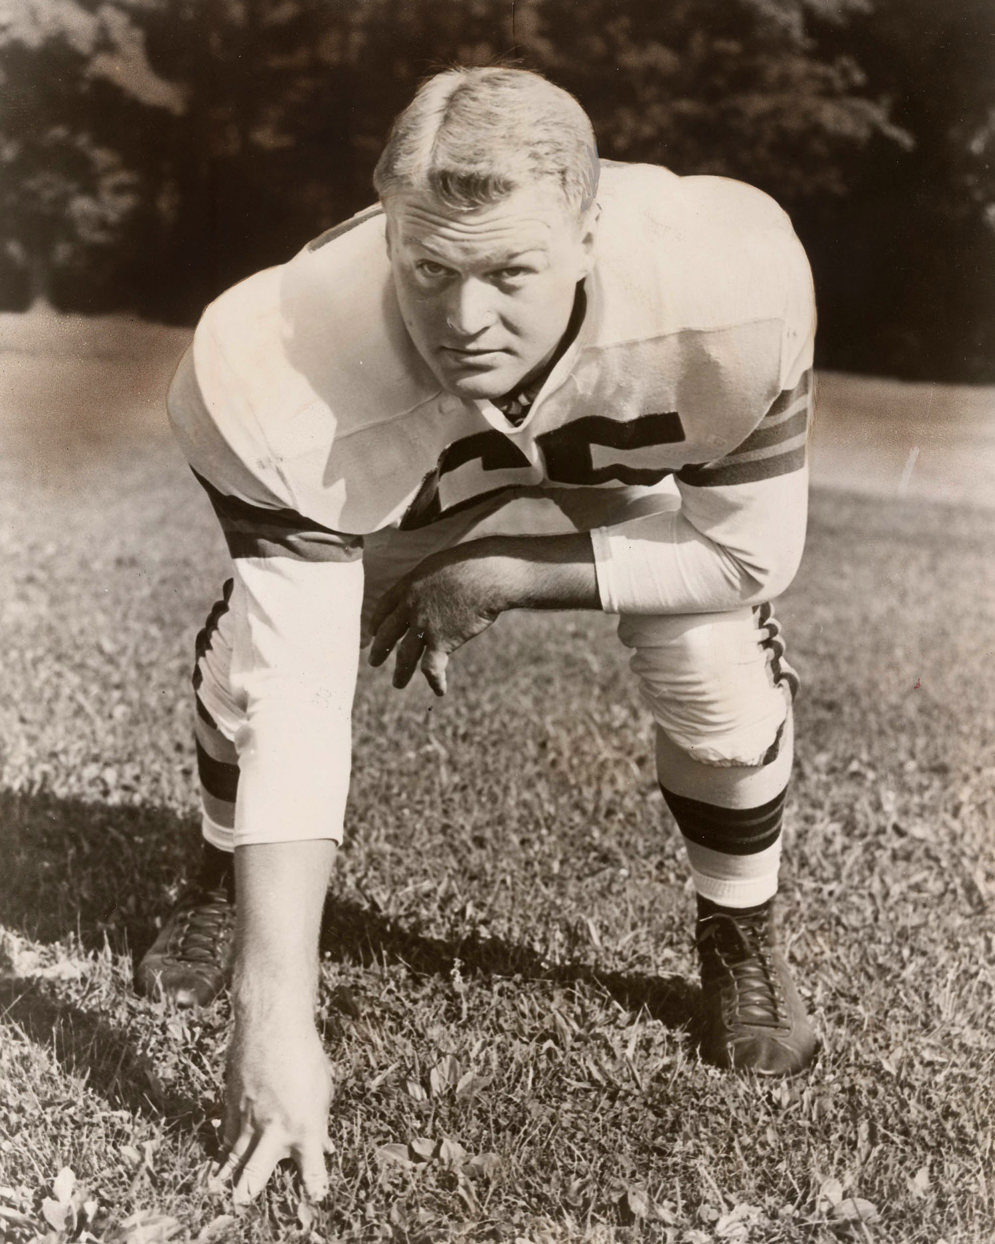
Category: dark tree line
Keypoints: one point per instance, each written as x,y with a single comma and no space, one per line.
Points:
154,151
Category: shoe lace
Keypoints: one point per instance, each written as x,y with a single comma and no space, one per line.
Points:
202,923
738,949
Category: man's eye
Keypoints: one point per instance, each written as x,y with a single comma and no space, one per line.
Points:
428,267
512,273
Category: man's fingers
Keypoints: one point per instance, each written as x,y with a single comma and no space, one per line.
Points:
385,605
310,1161
386,634
234,1130
433,666
233,1159
257,1168
408,652
251,1165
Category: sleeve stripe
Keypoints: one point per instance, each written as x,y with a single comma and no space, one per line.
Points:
767,436
788,397
751,472
779,416
219,811
776,446
758,451
252,531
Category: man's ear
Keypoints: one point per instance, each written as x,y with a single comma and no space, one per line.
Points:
589,237
387,235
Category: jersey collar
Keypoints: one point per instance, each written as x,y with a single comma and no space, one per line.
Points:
513,412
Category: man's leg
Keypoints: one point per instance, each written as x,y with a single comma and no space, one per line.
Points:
720,692
190,960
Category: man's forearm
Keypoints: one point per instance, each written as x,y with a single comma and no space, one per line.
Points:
542,572
278,1083
281,889
454,595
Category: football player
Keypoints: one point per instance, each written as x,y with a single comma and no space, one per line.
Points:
514,321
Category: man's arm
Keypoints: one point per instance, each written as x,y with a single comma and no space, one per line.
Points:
454,595
293,669
738,536
736,540
278,1081
296,602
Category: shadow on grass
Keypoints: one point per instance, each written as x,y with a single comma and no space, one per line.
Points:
97,1052
103,872
94,870
99,873
354,930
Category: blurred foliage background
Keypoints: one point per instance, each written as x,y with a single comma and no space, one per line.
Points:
154,151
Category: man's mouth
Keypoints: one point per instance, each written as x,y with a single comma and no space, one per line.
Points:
471,355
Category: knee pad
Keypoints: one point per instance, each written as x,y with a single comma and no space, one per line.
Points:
716,684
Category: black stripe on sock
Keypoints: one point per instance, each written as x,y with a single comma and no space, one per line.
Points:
203,641
781,670
203,714
731,831
217,778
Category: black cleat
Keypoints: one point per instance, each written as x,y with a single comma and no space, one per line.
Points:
752,1016
190,962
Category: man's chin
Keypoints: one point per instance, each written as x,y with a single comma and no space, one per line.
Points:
483,385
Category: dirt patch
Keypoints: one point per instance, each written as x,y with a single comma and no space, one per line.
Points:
72,385
928,442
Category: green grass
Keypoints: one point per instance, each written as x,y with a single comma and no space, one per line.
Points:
508,976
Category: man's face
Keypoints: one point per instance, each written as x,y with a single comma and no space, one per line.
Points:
486,294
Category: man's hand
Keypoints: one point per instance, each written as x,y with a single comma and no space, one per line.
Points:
446,600
452,596
278,1086
277,1096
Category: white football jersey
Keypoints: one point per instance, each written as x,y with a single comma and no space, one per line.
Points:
307,399
313,424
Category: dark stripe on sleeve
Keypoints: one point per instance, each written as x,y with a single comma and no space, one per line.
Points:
252,531
217,778
757,458
787,397
202,712
768,435
725,472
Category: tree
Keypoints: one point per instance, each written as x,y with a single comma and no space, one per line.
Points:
906,271
63,187
739,88
288,105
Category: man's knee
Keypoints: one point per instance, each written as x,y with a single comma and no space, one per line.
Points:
712,683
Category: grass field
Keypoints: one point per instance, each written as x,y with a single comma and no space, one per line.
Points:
507,966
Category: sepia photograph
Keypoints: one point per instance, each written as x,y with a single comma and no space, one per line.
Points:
497,621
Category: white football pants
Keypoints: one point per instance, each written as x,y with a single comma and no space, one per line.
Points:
716,684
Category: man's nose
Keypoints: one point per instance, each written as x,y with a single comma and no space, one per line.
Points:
470,308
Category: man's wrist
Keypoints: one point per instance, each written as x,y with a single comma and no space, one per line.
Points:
507,572
540,572
281,889
266,995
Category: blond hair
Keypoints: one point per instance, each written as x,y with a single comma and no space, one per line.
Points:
472,136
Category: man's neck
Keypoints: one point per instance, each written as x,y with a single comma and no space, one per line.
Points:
516,404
